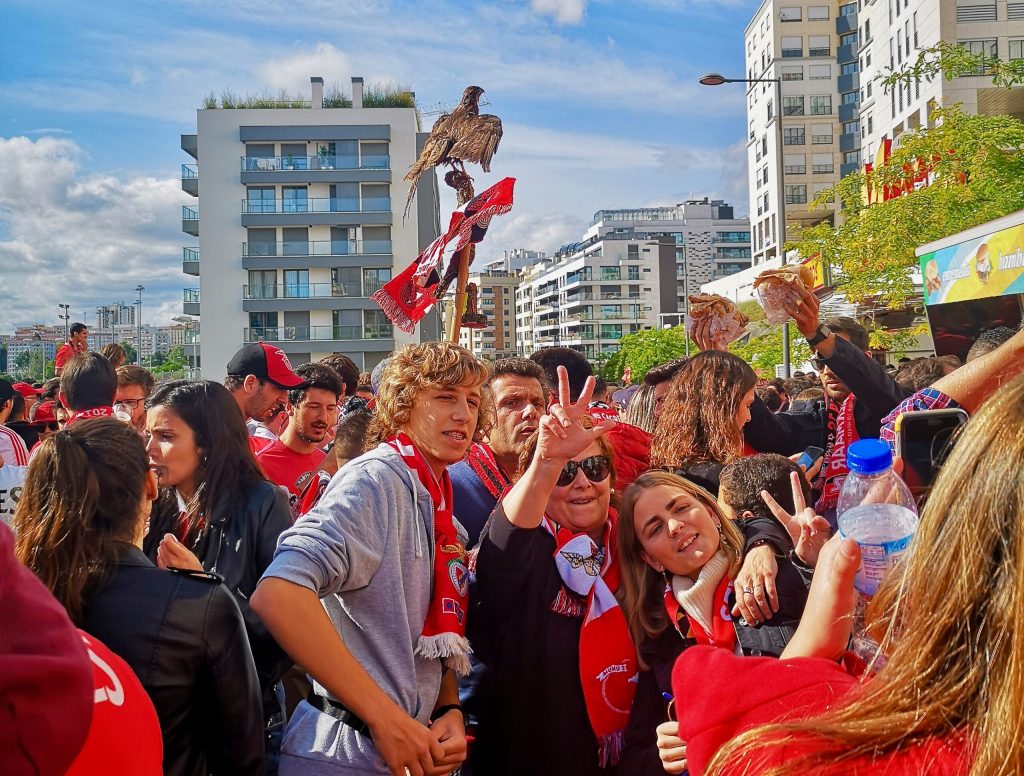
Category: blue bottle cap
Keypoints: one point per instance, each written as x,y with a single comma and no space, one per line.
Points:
868,456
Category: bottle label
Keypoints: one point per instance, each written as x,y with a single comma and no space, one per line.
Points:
876,561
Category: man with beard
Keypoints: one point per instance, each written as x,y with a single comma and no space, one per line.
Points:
520,399
859,393
259,377
296,455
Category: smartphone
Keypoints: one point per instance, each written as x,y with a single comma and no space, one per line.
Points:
924,440
809,456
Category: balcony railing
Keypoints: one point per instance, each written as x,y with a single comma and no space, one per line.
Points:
307,291
336,162
318,205
189,214
317,248
318,333
821,169
190,254
190,295
189,171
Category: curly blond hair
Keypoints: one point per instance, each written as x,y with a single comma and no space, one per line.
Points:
430,365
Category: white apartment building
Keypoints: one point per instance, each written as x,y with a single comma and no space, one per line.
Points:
299,219
516,259
808,47
894,32
496,298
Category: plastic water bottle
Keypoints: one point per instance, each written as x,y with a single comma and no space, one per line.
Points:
876,510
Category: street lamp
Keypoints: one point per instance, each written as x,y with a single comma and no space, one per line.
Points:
716,79
66,317
138,324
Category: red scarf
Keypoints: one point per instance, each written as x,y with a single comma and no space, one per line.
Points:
444,630
485,466
842,432
96,412
723,633
608,664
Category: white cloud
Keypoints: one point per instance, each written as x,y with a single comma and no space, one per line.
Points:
86,240
562,11
292,72
137,76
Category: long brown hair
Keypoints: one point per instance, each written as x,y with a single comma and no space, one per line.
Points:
641,590
951,622
81,498
697,422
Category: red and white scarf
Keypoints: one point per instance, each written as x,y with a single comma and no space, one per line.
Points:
485,466
719,631
444,631
96,412
842,432
608,663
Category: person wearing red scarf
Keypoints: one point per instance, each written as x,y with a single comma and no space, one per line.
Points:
368,591
88,384
560,667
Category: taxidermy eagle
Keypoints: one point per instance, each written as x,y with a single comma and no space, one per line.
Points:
458,137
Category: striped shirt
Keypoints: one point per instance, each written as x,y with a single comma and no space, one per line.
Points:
12,447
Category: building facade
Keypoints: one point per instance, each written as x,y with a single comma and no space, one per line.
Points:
299,220
806,48
496,298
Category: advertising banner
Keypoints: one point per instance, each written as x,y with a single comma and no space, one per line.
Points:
988,266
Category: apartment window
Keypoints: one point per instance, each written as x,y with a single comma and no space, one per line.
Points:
819,72
792,46
764,175
793,136
376,325
821,134
757,152
851,127
262,284
869,88
295,199
870,127
818,188
851,157
986,47
819,46
817,13
766,202
867,58
610,273
796,194
771,111
915,29
899,47
263,326
764,145
850,68
260,199
795,164
345,281
793,106
1016,48
848,9
850,98
793,14
867,31
792,73
976,10
296,283
821,105
822,164
632,273
751,130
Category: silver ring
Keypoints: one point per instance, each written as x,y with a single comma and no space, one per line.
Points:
748,590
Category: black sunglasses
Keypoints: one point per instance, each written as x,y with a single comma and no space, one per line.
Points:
596,468
818,364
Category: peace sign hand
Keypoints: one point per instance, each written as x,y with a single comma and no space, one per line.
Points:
808,530
562,434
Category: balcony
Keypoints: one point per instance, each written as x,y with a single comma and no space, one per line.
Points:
189,220
190,301
190,261
849,142
190,179
190,145
318,248
847,167
382,333
849,112
323,162
847,23
318,205
847,53
849,82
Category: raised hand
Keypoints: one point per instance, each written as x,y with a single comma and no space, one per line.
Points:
562,433
702,336
808,530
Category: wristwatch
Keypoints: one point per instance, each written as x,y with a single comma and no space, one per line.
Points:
821,334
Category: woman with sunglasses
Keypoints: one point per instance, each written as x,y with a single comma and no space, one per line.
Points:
556,691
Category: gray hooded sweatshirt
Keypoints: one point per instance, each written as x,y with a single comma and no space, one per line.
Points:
367,550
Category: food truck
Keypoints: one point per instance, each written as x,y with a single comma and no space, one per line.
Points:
973,281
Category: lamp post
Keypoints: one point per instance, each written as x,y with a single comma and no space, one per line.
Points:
138,324
715,79
66,317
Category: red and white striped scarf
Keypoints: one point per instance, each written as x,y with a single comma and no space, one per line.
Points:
95,412
444,631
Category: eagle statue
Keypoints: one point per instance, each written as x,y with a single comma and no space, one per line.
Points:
464,135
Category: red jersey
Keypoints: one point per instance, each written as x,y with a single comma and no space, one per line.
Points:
65,353
284,466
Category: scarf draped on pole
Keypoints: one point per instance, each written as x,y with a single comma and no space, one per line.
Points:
842,432
444,630
608,662
407,297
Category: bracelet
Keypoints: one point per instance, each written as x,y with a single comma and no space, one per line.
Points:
762,542
440,711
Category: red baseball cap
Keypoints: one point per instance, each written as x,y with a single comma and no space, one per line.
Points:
44,413
26,390
266,363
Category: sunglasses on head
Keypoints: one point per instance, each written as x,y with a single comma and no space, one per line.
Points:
596,468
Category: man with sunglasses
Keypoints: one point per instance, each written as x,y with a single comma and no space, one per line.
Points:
859,393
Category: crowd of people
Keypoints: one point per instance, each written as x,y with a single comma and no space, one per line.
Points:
456,566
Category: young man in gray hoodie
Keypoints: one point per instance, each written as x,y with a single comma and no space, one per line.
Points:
348,592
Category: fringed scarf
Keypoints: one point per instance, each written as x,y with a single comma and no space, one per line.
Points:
409,295
608,663
485,466
444,630
842,432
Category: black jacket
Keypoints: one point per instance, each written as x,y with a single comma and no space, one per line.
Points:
791,432
183,636
239,545
640,755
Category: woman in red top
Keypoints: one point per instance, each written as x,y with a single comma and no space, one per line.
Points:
950,697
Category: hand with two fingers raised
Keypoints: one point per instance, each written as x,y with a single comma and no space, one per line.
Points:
808,530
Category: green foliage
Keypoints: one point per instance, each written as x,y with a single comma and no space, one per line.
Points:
130,353
334,97
375,96
388,96
174,361
896,342
210,101
33,365
646,349
762,348
951,61
977,174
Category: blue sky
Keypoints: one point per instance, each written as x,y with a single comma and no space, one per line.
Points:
599,99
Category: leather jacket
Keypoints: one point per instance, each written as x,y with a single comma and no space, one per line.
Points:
183,636
238,545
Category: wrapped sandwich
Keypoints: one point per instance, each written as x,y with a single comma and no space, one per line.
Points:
777,288
727,323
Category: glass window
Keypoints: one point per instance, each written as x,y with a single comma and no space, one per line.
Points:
822,164
848,9
260,199
345,281
610,273
851,127
792,46
793,14
850,68
850,98
851,157
849,39
795,164
295,199
1016,48
262,284
374,278
793,106
377,325
793,136
792,73
986,47
346,324
821,134
632,252
796,193
633,273
819,46
296,283
375,155
817,12
821,105
293,156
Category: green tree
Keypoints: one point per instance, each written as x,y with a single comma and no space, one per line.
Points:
174,361
976,173
646,349
130,353
951,60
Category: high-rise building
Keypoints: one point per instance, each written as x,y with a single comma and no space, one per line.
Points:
299,221
893,34
496,298
116,314
515,260
804,48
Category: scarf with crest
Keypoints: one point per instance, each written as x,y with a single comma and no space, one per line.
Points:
444,630
608,663
842,432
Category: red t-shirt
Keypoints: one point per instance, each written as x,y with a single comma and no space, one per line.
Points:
125,733
284,466
65,353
